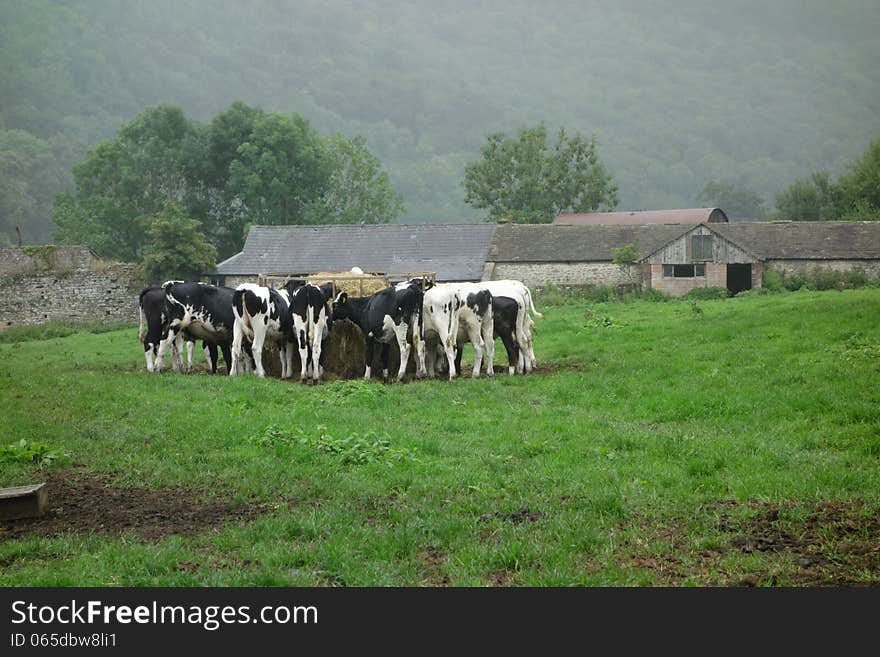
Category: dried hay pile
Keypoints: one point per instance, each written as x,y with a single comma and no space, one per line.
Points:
356,285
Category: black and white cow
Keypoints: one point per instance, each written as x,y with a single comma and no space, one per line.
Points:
388,315
520,293
202,311
504,322
261,314
153,320
311,324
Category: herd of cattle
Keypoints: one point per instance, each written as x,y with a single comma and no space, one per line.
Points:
434,319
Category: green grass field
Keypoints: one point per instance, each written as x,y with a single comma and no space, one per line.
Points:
729,442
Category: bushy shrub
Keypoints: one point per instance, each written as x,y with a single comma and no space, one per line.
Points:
773,280
707,293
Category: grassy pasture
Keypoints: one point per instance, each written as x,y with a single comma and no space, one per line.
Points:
713,443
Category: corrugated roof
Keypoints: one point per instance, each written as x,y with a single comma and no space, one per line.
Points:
560,243
456,252
688,216
809,240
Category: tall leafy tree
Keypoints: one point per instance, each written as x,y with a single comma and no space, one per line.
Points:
531,181
854,196
358,190
122,183
175,247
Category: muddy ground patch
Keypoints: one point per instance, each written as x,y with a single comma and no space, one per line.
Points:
828,543
83,502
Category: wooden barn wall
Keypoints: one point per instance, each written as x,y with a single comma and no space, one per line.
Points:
679,251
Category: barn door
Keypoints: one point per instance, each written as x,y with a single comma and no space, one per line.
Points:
739,278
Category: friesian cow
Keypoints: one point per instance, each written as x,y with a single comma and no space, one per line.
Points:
311,324
153,318
469,320
390,314
520,293
504,318
261,314
203,311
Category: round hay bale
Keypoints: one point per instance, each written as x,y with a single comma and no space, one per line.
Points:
355,285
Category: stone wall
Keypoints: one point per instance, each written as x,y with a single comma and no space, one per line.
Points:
566,273
871,268
41,284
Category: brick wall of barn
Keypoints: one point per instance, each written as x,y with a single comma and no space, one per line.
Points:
41,284
566,273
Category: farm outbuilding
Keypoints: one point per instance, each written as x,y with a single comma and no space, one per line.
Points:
671,257
455,252
676,258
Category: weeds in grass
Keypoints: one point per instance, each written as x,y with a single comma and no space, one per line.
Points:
356,449
39,454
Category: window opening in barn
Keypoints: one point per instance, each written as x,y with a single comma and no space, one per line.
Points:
701,247
683,271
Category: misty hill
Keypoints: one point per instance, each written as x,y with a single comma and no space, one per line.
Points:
676,92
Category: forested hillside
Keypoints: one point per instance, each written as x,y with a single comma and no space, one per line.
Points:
676,92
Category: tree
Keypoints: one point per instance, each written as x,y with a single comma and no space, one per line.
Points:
532,182
358,190
855,195
280,171
737,202
122,183
816,199
175,247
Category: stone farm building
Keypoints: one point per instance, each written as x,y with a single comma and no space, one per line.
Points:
672,257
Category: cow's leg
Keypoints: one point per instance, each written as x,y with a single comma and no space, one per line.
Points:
188,353
521,337
368,357
449,347
400,331
237,360
477,340
489,342
149,352
303,346
317,345
257,346
510,347
383,357
458,352
164,344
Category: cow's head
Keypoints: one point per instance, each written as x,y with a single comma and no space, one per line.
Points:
341,307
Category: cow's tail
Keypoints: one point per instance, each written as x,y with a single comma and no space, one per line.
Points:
310,323
239,306
142,319
531,305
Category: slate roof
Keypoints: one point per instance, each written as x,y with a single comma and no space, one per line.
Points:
559,243
686,216
807,240
456,252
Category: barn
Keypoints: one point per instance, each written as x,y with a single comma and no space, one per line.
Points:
676,258
455,252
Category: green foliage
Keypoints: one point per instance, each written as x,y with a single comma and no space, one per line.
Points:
28,452
772,280
853,197
531,181
175,248
354,449
738,202
625,255
358,190
706,293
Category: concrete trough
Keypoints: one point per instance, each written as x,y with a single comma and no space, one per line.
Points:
28,501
